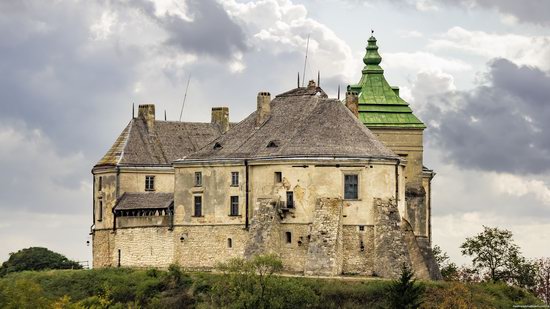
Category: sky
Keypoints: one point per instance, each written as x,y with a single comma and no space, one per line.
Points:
477,72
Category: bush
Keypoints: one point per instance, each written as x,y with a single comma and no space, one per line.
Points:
405,292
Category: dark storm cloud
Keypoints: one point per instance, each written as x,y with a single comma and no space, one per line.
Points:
501,126
211,31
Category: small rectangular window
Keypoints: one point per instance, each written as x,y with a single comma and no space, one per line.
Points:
289,199
361,228
234,179
351,187
278,177
229,243
234,211
288,237
100,211
149,183
100,183
198,206
198,179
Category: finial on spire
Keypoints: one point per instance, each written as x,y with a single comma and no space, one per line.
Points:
372,57
372,32
133,110
298,79
318,78
338,91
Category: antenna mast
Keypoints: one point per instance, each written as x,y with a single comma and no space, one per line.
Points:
305,62
185,96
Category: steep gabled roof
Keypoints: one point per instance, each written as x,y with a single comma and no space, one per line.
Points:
171,140
302,123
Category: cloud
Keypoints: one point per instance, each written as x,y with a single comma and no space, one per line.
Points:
423,61
521,49
499,126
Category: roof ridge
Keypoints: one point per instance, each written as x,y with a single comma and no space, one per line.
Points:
125,141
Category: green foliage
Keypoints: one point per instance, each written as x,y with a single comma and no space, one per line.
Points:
449,270
492,250
36,258
405,293
22,293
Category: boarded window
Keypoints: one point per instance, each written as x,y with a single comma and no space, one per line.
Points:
198,206
234,207
351,187
278,177
149,183
289,199
198,179
234,179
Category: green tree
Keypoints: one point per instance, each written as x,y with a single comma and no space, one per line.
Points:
405,293
36,258
542,279
492,250
448,269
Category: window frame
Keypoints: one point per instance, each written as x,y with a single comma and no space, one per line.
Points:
100,210
198,213
149,182
234,202
100,184
278,177
198,179
291,195
234,179
357,189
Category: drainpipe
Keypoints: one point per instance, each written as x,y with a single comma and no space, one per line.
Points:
246,196
93,205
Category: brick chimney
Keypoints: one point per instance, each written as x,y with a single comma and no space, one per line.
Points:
264,108
220,117
147,113
352,102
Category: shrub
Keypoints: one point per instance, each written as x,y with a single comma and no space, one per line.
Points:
36,258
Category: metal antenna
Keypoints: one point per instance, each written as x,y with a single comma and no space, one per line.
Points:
185,96
298,79
164,115
133,110
338,91
305,62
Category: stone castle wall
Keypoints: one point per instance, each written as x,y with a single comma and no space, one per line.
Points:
358,250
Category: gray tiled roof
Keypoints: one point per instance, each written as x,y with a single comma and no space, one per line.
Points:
152,200
303,123
172,140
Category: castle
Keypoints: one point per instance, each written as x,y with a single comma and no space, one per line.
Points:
332,187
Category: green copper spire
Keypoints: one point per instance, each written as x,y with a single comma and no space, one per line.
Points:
380,104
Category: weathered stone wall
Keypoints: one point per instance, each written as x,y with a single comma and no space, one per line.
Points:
294,254
429,258
143,247
416,213
204,246
324,256
102,248
417,259
390,248
358,250
264,229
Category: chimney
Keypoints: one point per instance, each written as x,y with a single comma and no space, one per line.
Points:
264,108
352,102
220,117
147,113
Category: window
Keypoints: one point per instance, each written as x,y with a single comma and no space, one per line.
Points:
361,228
100,184
350,187
288,237
229,243
234,209
234,179
149,183
278,177
198,179
198,206
100,211
289,199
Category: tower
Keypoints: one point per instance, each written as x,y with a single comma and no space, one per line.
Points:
388,116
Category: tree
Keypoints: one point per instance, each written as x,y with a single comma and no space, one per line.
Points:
405,293
36,258
542,279
448,269
492,250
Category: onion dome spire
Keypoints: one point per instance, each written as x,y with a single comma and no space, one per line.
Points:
372,58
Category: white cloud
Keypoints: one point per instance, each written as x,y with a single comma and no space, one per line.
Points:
519,186
280,26
521,49
423,61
